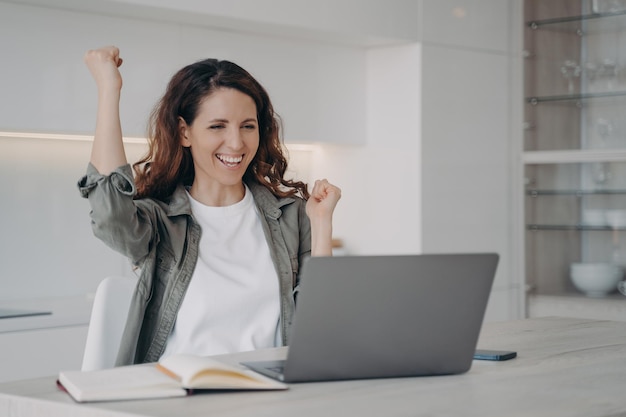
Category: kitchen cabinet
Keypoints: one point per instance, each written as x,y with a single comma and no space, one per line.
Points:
60,96
42,352
574,152
42,345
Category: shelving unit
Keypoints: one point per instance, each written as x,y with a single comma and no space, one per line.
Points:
574,151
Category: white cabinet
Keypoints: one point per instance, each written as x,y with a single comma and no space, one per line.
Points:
43,344
54,92
47,88
482,25
42,352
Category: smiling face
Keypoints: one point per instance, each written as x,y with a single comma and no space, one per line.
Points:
223,139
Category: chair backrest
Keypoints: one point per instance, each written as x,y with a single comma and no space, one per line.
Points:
108,318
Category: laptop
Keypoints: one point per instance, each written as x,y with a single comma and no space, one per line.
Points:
385,316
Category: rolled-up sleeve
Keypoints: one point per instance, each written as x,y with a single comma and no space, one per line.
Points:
115,217
121,179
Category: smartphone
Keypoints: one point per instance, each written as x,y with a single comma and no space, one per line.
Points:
494,355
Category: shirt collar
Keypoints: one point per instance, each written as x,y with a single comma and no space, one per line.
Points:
266,201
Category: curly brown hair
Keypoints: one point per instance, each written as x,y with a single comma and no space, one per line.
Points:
168,164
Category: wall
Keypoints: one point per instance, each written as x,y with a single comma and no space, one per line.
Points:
380,212
47,245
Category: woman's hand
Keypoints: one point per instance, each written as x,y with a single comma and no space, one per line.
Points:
320,207
103,63
323,200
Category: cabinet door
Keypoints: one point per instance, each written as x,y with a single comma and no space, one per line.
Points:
38,353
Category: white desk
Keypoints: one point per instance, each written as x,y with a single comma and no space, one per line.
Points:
565,367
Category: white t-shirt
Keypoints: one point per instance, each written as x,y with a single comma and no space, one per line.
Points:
232,303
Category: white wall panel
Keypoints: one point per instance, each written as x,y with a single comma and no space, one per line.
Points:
46,243
465,154
352,22
319,88
478,24
376,19
39,353
45,85
380,211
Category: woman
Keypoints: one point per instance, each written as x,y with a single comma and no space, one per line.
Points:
217,232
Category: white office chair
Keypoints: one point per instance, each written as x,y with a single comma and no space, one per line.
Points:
108,318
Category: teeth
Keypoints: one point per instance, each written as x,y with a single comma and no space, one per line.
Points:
230,159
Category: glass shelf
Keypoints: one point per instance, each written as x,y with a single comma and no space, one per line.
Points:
577,193
576,227
575,97
583,24
573,295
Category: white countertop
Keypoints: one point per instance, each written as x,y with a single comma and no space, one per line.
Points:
65,311
564,368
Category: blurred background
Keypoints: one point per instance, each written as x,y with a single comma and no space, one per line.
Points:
412,107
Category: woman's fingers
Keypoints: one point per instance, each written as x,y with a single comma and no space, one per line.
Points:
323,200
104,54
103,63
322,189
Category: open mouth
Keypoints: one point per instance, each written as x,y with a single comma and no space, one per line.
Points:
229,160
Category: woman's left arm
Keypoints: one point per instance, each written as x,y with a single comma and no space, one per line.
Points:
320,207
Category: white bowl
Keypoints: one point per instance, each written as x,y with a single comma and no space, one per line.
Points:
615,218
595,279
594,217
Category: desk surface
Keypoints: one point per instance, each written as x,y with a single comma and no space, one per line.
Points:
565,367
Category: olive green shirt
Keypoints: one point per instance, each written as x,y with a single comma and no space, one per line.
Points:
161,238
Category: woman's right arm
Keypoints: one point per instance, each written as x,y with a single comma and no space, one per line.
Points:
109,183
107,152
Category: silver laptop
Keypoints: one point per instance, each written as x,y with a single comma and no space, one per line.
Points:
386,316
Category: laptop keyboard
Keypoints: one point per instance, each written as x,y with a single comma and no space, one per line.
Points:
277,369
